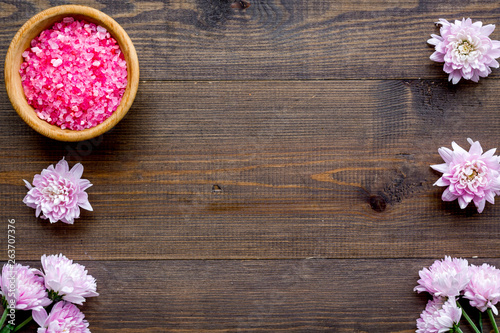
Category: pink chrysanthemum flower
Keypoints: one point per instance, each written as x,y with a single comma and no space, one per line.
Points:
64,317
23,287
465,49
58,193
444,278
439,317
427,322
67,279
483,290
470,176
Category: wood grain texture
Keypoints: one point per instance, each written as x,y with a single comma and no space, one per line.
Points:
257,296
327,169
273,172
272,39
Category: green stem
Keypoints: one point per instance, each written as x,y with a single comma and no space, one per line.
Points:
458,330
492,319
4,316
466,316
21,325
480,321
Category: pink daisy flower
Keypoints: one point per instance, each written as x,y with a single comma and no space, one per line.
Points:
64,317
469,176
444,278
29,289
465,49
439,317
67,279
483,290
59,193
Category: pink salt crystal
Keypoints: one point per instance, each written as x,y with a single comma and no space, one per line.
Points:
56,62
52,44
74,74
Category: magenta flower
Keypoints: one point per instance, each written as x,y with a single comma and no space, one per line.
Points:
445,278
470,176
23,288
483,290
58,193
439,317
465,49
67,279
64,317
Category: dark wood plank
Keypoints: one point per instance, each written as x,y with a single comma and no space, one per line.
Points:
289,130
254,296
249,170
326,169
308,295
298,39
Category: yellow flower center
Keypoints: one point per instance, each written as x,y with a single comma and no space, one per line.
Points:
472,175
465,48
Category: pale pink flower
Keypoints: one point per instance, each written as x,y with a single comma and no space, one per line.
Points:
439,316
64,317
58,193
465,49
67,279
444,278
23,287
483,290
469,176
427,323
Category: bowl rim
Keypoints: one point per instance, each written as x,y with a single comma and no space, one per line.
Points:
34,26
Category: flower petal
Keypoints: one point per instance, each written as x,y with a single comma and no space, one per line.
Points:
480,205
467,198
85,205
494,63
448,196
77,170
446,154
487,29
27,184
443,168
494,53
62,167
462,202
40,316
489,153
443,22
454,77
459,150
490,197
442,182
475,148
437,56
435,40
84,184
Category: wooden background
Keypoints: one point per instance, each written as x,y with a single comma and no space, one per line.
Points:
273,173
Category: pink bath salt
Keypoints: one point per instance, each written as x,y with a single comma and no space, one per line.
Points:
74,74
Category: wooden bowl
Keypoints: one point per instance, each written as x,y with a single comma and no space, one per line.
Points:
21,41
